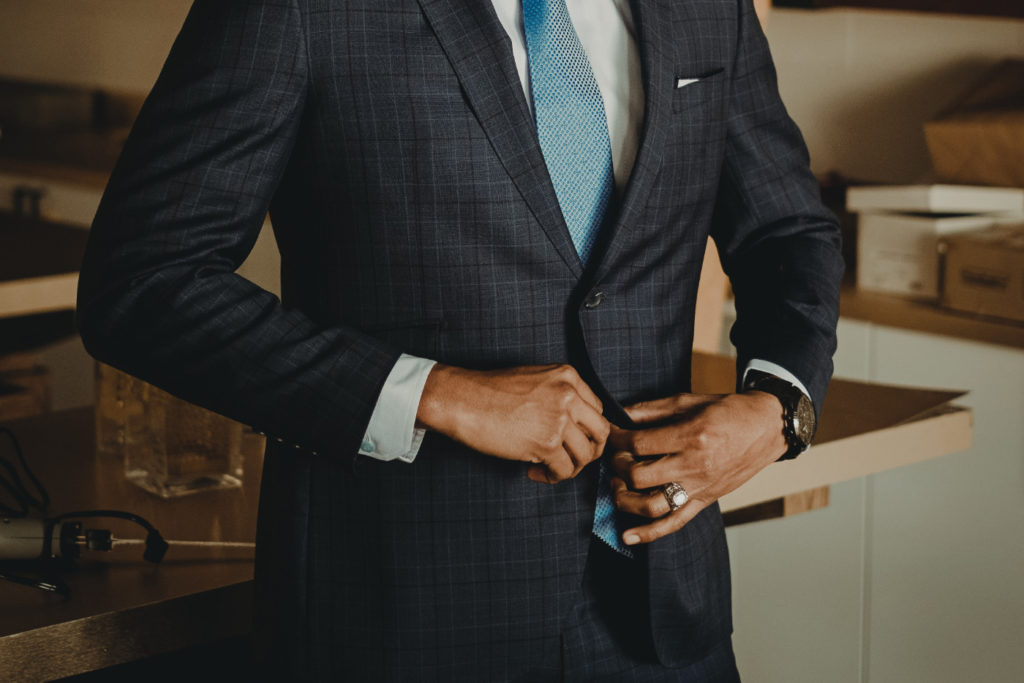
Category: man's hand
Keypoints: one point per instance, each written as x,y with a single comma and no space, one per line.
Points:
710,445
542,414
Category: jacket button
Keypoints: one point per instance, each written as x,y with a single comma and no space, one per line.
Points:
594,299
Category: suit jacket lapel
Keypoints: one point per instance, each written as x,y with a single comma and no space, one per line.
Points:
474,41
654,40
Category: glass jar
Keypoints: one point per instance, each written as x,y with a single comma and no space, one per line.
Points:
170,447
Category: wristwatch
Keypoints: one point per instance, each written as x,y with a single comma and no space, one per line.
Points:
798,420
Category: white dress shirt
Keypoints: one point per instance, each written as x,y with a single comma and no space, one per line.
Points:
606,31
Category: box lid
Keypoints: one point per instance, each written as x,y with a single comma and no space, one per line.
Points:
962,199
916,224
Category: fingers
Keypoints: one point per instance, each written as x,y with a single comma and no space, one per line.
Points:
648,442
664,526
554,471
584,390
583,440
650,411
653,504
619,438
580,449
621,463
592,423
668,438
650,503
686,435
640,475
583,435
539,474
703,442
646,474
664,408
577,452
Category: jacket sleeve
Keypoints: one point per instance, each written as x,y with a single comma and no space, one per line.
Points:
158,295
779,245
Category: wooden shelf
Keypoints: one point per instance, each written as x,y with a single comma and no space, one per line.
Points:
83,155
63,172
39,264
999,8
926,316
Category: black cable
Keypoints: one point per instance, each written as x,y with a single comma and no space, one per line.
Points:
156,546
12,482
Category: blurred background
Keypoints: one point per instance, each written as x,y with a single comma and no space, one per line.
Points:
911,575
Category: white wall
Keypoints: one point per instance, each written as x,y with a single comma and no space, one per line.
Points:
861,83
114,44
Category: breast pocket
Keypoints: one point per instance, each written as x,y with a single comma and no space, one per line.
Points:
694,91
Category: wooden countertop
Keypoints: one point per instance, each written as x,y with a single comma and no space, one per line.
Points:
927,316
124,609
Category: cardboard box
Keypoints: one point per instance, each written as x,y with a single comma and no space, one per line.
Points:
980,140
899,253
946,199
984,272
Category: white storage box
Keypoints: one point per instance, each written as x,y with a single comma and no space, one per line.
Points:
898,253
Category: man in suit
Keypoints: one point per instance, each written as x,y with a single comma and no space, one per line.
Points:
491,218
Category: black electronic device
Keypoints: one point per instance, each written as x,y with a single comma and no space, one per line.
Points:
41,543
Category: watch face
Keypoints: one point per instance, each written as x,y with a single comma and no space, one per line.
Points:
803,421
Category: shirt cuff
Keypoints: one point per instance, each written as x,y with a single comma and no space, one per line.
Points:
391,433
778,371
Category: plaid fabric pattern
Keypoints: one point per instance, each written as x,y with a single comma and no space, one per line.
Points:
394,149
608,633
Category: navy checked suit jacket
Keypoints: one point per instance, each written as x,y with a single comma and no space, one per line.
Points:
392,144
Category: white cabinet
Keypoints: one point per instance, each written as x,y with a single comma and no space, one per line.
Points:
916,574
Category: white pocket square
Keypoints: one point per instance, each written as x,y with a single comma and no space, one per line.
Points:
683,82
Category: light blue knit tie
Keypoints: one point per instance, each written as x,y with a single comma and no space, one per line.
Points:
573,134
